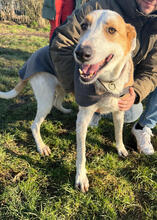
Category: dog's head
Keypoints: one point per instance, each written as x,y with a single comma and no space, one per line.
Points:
105,42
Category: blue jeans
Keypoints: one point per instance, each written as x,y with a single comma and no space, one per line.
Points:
149,116
130,116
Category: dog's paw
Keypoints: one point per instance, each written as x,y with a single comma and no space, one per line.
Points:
44,150
122,151
82,183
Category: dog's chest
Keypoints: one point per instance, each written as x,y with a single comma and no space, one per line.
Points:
110,94
107,105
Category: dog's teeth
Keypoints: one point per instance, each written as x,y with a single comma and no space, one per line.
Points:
92,74
81,72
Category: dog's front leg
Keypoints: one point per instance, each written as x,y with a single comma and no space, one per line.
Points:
118,118
83,119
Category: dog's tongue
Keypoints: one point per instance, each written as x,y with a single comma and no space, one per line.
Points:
90,69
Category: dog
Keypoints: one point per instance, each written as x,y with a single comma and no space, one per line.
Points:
104,57
104,54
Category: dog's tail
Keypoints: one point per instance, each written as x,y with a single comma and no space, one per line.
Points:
14,92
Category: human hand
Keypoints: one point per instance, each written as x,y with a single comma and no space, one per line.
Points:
127,100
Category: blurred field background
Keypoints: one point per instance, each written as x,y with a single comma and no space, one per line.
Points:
22,12
35,187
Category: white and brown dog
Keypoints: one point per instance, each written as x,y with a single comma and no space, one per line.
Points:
104,55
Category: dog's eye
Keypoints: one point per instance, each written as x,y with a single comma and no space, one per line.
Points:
111,30
84,26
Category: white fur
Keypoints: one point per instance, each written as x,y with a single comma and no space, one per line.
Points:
48,93
9,95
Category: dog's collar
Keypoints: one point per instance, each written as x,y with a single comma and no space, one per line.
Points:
108,88
107,92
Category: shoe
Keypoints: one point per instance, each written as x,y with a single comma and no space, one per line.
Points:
143,138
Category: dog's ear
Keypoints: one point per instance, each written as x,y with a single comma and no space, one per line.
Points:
131,34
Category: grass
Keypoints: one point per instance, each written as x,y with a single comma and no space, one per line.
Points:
35,187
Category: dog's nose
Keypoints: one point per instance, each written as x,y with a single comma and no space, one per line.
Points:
83,53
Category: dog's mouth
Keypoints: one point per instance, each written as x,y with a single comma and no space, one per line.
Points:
89,72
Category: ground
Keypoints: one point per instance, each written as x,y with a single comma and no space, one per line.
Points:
35,187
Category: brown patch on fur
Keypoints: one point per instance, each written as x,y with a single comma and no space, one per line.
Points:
131,34
131,80
89,19
124,34
20,85
131,77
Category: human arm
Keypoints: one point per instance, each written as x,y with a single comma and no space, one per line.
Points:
146,74
145,80
127,100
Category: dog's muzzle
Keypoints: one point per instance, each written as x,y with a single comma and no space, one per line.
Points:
83,53
89,71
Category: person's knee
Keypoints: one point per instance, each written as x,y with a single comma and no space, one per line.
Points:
133,113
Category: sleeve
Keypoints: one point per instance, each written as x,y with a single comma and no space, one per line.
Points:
146,74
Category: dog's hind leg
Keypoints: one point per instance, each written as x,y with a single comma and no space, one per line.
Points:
59,97
83,119
44,86
118,118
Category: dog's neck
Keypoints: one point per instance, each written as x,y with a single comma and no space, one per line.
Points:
121,84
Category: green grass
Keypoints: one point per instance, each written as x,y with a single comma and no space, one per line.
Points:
35,187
